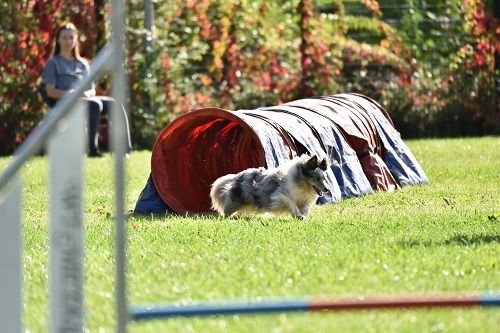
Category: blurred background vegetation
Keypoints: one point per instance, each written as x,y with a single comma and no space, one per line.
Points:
434,65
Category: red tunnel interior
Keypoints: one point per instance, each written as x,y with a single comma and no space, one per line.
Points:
197,148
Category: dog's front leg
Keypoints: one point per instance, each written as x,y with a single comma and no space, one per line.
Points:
283,201
305,210
296,213
293,209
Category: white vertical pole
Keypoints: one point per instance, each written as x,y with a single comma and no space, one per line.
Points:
119,81
10,260
149,14
66,149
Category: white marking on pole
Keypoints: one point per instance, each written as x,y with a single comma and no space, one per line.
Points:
66,150
10,259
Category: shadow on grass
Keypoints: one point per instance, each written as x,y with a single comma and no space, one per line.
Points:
131,214
263,219
463,240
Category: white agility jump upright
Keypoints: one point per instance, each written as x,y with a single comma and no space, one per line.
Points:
10,258
66,217
63,133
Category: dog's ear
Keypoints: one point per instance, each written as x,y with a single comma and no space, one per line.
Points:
323,165
312,163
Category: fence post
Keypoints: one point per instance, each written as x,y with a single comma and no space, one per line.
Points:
66,149
119,82
11,302
149,24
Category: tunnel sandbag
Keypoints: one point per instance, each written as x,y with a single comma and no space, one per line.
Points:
359,131
150,202
397,156
306,142
319,135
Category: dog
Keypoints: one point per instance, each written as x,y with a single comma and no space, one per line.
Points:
292,187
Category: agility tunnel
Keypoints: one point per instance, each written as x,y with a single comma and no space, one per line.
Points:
364,150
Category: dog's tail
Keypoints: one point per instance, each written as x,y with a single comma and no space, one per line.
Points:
219,192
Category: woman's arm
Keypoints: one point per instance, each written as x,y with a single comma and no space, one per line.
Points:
89,93
55,93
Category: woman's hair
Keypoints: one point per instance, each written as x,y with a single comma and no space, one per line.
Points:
56,48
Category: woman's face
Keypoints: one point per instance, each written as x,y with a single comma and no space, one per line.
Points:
67,39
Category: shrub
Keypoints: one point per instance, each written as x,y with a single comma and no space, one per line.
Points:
434,71
453,88
242,54
26,34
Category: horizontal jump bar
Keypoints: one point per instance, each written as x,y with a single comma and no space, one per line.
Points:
209,309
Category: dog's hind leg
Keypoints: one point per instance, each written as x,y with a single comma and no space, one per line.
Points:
230,208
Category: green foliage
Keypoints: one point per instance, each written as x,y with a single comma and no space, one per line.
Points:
245,54
430,64
26,34
453,91
434,239
433,30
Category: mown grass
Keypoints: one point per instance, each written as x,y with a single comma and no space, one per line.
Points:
440,238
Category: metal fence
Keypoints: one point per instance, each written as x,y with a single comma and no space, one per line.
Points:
62,132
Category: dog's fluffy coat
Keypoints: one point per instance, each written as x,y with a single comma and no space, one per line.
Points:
292,187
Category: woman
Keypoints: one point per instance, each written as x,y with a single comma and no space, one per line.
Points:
61,74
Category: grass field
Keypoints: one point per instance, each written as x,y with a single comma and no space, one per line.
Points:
440,238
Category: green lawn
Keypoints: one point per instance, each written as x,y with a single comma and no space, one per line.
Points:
440,238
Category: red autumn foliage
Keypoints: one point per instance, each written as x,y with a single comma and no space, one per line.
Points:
237,54
31,26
